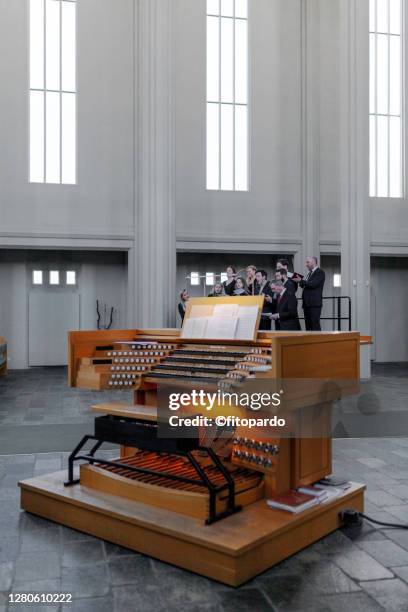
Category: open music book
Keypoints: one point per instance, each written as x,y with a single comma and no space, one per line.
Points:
226,322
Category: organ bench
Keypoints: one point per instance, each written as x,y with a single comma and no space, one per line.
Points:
200,502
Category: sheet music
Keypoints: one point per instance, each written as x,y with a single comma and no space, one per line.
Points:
247,318
221,328
245,328
195,328
226,310
201,310
221,322
248,311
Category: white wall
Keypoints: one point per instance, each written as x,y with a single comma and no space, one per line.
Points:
389,280
14,312
388,216
327,83
102,202
51,315
107,282
272,207
101,276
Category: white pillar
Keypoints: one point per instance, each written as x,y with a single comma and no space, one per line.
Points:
354,134
155,240
310,108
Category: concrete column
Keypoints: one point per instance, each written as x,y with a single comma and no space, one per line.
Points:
310,109
354,134
155,240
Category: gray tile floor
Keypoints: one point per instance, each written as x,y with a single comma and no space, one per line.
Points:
40,396
40,413
362,569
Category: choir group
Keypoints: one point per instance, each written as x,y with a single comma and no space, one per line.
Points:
281,303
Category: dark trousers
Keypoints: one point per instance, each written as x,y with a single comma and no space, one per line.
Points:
265,324
312,318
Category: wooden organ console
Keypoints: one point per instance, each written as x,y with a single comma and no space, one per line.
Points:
166,497
3,356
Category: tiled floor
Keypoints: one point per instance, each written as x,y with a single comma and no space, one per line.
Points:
39,412
40,396
353,569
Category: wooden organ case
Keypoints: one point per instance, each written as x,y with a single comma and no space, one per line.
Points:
166,497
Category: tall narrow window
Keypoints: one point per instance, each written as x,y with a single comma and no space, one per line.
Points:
227,95
53,91
386,99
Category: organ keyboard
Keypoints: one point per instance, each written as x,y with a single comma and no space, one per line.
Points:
121,365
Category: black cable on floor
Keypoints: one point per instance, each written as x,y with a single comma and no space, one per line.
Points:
393,525
353,517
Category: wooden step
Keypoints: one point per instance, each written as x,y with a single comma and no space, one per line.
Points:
231,551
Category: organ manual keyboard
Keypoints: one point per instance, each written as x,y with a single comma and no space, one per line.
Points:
119,365
166,496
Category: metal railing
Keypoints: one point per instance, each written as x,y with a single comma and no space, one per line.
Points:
337,301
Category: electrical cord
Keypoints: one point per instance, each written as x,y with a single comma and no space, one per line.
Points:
353,517
394,525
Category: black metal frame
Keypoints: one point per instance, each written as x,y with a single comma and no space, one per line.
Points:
337,299
203,480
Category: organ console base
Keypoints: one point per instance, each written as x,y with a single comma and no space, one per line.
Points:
231,551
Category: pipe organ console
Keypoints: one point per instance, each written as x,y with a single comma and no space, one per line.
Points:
166,497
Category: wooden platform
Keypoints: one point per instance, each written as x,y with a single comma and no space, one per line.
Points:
231,551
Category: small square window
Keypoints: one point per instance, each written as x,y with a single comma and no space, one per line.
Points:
337,280
37,277
54,277
209,278
195,278
224,277
71,277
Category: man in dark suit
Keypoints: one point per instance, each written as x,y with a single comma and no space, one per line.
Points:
312,286
262,287
282,277
292,277
286,316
